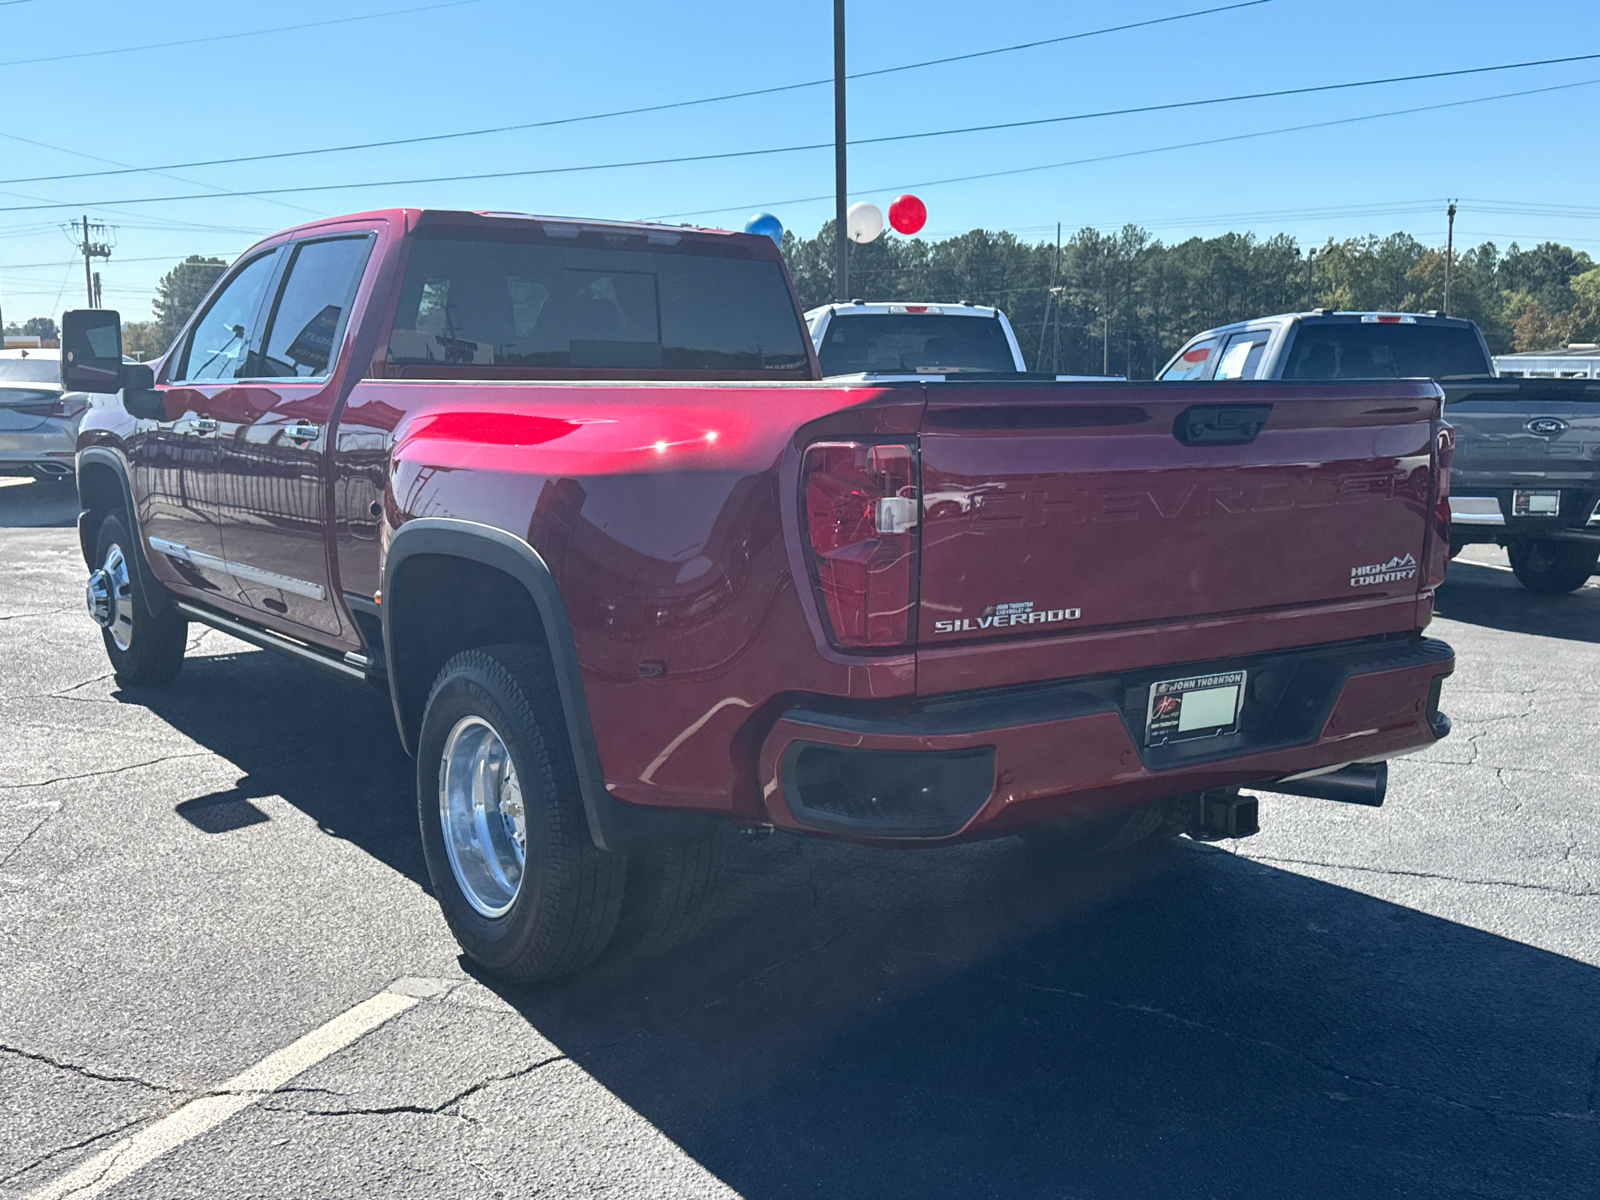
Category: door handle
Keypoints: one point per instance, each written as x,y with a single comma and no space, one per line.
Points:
303,431
205,424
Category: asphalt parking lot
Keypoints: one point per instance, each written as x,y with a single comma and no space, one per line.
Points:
1356,1002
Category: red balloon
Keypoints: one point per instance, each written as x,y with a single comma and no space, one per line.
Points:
907,214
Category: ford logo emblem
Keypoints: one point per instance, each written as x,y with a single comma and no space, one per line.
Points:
1546,426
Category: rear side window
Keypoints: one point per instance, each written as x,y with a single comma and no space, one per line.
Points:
1350,350
1241,357
312,307
1193,362
594,309
889,343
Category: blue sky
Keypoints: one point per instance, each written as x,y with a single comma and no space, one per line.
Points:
1526,168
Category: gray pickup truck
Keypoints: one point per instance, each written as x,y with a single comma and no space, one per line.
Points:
1526,473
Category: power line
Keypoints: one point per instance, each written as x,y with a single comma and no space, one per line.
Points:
225,37
1078,162
1299,91
125,169
629,112
732,154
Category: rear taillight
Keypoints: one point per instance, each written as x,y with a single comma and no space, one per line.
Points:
861,514
1444,452
58,408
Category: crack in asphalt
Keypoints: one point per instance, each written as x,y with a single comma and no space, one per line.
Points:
46,613
89,1073
1508,883
28,837
433,1110
108,771
60,1150
1362,1080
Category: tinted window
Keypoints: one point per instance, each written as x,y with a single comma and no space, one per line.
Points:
1242,355
309,319
888,343
216,348
537,305
1193,362
1350,350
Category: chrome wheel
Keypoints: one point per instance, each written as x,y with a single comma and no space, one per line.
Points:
482,817
110,598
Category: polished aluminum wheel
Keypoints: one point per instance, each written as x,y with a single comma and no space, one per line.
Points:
110,598
482,817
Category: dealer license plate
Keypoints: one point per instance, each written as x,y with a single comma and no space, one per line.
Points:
1535,504
1196,707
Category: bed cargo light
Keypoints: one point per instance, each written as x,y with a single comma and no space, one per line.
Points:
861,513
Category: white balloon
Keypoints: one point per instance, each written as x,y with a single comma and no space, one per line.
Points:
863,221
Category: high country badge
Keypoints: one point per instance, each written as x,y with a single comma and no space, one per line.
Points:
1003,616
1393,571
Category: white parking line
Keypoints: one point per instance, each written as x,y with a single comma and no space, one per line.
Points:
112,1166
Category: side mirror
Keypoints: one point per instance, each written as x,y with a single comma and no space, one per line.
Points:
91,350
139,395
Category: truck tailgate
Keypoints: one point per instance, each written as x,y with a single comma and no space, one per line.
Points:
1062,511
1525,433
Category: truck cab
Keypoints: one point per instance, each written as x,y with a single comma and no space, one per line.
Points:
914,340
1326,345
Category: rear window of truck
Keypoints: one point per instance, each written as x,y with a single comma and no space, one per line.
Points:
1348,350
593,310
888,343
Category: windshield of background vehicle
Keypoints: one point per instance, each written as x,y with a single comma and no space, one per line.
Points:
595,311
1351,350
887,343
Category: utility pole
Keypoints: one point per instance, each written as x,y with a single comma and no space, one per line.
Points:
91,251
1449,251
1311,259
1050,294
841,234
1105,301
95,292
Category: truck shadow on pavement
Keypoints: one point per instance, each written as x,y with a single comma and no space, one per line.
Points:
993,1020
1491,597
37,503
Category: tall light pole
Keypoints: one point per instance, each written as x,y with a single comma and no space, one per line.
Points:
841,235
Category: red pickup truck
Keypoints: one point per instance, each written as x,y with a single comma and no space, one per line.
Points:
574,495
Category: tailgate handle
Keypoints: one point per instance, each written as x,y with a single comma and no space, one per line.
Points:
1220,424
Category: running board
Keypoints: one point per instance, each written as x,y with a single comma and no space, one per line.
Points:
268,640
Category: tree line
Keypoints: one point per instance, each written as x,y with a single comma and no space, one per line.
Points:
1123,303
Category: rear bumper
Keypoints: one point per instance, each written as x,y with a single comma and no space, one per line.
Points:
47,449
1486,516
984,764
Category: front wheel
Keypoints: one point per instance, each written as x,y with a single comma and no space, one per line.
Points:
145,650
1552,568
503,827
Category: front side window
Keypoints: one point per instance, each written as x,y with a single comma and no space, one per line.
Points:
313,305
1241,358
1194,361
220,342
595,308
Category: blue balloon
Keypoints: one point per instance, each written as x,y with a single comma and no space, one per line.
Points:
768,224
